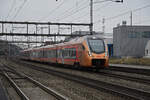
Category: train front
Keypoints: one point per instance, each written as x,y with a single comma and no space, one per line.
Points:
96,53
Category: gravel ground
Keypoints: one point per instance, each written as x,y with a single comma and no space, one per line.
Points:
32,91
68,88
108,79
29,89
9,90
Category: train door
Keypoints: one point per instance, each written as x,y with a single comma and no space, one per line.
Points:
62,55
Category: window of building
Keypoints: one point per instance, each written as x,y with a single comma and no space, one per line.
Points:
134,35
146,34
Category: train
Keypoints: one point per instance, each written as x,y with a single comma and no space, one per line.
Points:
85,52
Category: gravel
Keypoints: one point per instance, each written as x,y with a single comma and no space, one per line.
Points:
72,90
29,89
108,79
9,90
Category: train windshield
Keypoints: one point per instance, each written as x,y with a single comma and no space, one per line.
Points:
96,45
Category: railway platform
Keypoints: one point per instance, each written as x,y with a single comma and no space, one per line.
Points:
131,66
3,95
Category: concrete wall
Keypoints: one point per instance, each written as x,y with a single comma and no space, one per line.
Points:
130,40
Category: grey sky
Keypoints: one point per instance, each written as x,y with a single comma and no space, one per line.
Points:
62,10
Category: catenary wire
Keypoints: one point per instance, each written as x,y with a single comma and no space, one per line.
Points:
70,10
11,9
19,9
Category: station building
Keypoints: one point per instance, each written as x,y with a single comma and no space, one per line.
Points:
130,41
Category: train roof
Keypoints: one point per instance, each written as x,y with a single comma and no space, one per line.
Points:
76,40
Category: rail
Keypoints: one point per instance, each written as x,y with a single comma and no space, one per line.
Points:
100,85
57,95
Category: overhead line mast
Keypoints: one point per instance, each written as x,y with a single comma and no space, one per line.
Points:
91,12
91,16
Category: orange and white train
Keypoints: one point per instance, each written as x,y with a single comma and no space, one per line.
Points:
86,51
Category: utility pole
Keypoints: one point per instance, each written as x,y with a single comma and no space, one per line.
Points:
91,13
91,17
103,25
131,18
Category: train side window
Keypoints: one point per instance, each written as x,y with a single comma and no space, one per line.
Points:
35,54
83,47
45,53
58,53
41,54
70,52
54,53
48,53
62,51
51,54
67,52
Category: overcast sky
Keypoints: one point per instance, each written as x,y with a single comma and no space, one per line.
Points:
76,11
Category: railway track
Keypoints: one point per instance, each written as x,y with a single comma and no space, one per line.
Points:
125,77
130,70
12,76
128,92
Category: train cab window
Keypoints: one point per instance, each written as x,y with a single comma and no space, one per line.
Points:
96,45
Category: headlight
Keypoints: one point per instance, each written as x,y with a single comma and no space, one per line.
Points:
89,53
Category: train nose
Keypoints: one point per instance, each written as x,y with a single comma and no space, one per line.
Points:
98,62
